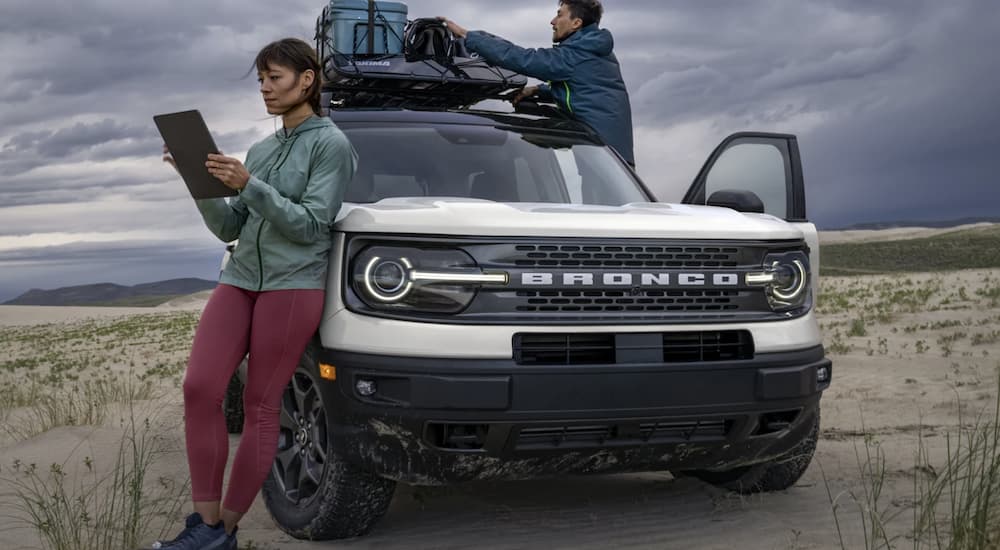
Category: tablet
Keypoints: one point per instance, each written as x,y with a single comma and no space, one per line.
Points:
189,143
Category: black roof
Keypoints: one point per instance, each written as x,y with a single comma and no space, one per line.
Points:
544,122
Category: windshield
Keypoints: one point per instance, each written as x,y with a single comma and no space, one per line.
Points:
485,162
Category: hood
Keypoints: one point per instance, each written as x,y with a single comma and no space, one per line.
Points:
592,39
478,217
308,124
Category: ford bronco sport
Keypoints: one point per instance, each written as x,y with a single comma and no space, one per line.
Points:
507,300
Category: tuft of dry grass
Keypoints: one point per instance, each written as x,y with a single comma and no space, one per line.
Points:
113,511
956,504
85,404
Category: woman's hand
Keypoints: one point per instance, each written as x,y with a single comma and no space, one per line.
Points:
169,159
228,170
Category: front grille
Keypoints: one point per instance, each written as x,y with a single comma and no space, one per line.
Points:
564,349
598,256
597,435
728,345
614,348
603,301
585,281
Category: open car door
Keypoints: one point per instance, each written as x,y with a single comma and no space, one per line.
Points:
769,166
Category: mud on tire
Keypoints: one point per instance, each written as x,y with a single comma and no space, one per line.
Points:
311,492
774,475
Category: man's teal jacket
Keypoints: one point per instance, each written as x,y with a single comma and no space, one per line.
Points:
583,76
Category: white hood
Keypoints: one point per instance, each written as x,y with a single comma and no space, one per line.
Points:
477,217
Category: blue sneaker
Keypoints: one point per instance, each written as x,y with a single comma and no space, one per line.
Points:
198,535
190,522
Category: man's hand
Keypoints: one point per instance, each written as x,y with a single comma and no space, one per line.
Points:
454,27
228,170
525,92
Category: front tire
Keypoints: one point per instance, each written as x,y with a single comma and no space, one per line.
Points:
311,492
774,475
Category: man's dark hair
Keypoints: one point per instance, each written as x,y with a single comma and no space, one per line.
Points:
299,56
590,11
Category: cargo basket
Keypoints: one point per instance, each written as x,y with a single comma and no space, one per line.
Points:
393,82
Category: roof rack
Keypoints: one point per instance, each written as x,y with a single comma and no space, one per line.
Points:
390,81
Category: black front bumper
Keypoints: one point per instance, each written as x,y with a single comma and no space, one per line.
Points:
434,421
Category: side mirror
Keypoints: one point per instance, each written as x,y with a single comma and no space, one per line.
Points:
741,201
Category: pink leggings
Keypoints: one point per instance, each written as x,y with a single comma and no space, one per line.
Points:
275,327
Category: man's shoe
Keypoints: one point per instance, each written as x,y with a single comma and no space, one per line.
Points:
193,520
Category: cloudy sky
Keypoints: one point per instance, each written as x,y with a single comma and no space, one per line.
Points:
895,104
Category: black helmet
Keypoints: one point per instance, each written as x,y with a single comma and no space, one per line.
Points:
429,38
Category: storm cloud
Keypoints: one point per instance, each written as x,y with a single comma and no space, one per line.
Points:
893,103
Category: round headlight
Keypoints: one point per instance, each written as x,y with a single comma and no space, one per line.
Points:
389,276
416,279
785,279
387,280
790,281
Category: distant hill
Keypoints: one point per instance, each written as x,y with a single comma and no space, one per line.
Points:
919,223
109,294
974,248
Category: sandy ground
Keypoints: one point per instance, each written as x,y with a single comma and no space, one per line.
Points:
34,315
906,349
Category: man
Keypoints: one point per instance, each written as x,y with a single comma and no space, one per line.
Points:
582,72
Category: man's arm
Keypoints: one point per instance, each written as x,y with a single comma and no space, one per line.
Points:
540,63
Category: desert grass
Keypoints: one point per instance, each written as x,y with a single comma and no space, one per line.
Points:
959,506
853,309
88,373
85,404
113,511
72,374
921,307
956,505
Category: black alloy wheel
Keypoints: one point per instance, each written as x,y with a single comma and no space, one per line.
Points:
302,440
312,492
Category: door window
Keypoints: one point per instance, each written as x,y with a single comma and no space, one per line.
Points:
758,167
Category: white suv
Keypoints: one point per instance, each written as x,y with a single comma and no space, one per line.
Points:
507,300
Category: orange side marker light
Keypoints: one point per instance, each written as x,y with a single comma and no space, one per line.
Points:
327,372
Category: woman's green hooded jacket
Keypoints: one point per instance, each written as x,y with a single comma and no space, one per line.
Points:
284,216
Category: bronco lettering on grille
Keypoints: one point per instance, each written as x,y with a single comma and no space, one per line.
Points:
631,279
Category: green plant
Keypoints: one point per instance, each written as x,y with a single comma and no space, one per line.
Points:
857,328
112,511
956,505
868,499
960,507
84,404
837,346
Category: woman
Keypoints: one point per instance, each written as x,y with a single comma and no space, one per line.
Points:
270,297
